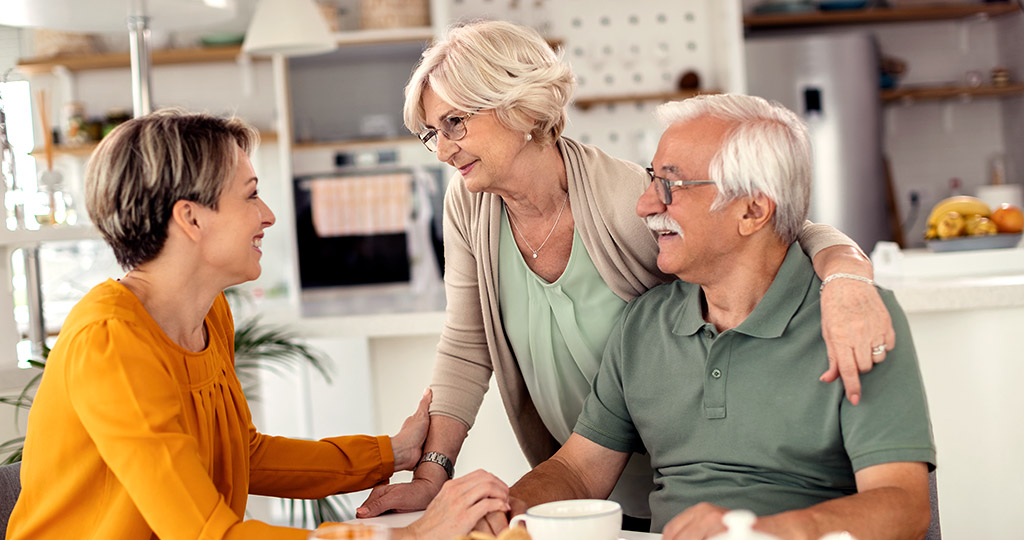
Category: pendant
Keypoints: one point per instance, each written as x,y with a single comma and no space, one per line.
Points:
534,254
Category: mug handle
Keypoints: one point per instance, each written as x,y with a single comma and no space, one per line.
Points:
517,520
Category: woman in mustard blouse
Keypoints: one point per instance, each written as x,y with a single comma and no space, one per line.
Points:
140,429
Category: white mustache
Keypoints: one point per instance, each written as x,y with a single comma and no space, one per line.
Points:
662,222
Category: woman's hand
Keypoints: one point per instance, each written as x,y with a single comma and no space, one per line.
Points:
854,321
407,445
461,503
411,497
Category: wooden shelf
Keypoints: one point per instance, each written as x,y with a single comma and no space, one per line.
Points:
84,150
933,93
879,15
586,103
389,35
84,62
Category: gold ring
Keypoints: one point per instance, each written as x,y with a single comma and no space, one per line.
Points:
878,351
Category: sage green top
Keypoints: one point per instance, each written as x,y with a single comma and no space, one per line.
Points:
558,332
738,418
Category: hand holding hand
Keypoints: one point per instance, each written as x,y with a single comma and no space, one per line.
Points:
407,445
460,506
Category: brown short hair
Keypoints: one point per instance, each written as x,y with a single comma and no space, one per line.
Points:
149,163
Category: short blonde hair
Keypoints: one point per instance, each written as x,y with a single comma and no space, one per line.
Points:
149,163
499,66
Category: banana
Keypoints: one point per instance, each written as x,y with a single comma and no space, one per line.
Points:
977,225
962,204
950,225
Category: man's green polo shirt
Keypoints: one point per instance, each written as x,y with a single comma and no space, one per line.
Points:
740,419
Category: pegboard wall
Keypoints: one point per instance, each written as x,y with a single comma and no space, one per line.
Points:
619,48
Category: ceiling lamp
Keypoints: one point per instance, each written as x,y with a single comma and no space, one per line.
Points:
288,28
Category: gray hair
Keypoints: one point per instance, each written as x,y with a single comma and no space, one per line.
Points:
499,66
767,150
149,163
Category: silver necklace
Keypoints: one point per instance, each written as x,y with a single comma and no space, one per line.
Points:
527,242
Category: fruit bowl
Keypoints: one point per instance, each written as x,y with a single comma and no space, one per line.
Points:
965,243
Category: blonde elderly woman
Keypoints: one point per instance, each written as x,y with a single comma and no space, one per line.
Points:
543,250
139,429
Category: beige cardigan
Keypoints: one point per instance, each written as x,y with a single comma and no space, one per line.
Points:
603,191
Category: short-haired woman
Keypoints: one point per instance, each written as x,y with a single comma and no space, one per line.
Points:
139,428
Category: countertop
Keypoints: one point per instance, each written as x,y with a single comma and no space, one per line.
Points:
925,281
920,295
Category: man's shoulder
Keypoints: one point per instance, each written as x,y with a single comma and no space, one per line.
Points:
662,297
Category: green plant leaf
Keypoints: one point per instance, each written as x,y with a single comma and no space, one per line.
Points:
273,348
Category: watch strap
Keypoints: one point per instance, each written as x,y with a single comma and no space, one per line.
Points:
442,460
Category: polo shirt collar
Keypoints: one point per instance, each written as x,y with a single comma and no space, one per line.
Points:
772,314
690,317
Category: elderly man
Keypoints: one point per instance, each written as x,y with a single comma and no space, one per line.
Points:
709,374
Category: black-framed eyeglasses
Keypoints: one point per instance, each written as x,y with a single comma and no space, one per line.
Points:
664,186
452,127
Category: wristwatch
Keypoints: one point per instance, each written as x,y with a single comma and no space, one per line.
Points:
442,460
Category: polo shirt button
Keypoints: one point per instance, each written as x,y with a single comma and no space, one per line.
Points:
716,373
707,333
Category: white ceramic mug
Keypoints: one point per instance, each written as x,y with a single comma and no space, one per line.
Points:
583,519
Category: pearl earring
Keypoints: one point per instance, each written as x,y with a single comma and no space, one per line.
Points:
529,137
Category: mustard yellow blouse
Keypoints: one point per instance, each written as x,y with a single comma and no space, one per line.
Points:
133,437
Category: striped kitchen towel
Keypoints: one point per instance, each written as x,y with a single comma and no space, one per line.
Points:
361,205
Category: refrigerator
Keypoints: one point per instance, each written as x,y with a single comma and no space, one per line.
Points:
832,82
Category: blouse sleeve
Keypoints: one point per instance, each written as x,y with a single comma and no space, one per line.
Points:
817,236
129,404
300,469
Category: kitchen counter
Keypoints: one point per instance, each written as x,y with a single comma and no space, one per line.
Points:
922,295
925,281
966,315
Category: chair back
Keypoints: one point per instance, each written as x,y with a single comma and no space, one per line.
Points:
934,531
10,488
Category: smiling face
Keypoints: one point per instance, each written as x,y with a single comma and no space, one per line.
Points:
691,238
233,234
487,155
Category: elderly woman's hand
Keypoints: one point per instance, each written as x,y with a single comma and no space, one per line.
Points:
461,503
854,322
407,445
